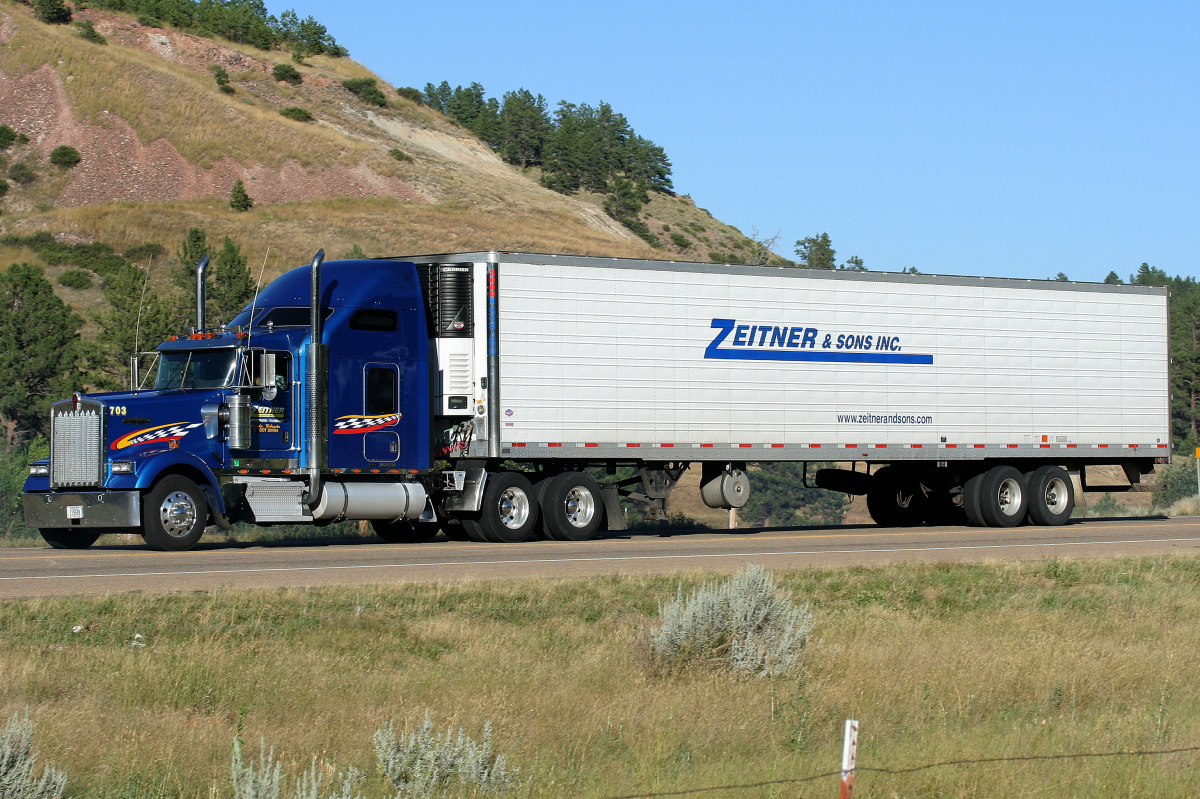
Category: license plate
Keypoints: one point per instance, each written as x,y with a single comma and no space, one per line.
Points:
74,511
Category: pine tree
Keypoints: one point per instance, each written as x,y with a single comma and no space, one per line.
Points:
816,252
193,248
39,347
239,200
135,320
524,126
230,284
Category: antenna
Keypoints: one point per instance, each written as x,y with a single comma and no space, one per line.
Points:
254,304
138,327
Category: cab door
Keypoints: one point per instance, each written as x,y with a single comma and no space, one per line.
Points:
274,411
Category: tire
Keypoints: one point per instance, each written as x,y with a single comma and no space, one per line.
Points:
453,530
404,531
174,515
67,538
1051,496
1002,497
508,513
572,507
896,500
970,504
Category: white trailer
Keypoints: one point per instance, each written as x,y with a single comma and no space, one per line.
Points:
963,397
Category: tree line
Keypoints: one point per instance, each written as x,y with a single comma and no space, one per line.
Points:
576,147
243,21
43,356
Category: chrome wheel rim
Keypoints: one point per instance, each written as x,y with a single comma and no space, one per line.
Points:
514,508
1008,498
1056,495
579,506
178,514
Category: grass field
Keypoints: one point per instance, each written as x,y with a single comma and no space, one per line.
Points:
937,663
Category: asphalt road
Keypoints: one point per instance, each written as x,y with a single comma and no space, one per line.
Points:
40,572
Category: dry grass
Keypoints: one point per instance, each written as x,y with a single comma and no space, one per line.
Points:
295,231
161,99
936,662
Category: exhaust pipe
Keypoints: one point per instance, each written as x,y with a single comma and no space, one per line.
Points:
200,298
315,394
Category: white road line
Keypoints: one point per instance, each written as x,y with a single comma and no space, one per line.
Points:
601,560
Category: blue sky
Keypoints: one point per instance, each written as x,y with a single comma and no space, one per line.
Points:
1020,139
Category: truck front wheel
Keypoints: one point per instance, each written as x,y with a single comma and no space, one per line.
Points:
66,538
174,515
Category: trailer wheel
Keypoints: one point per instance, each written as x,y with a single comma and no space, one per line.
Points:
66,538
970,503
508,513
571,507
896,500
174,515
1051,496
1002,497
404,531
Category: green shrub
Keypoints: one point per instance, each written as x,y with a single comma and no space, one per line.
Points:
149,22
52,11
222,77
7,137
239,200
420,764
680,240
17,779
399,155
366,90
64,156
21,173
87,30
3,187
144,252
288,74
297,113
409,93
743,625
75,279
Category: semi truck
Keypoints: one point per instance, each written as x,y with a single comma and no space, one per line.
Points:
492,396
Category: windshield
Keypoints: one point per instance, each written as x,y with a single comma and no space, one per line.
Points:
197,369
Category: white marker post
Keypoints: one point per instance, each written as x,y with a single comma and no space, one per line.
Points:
849,754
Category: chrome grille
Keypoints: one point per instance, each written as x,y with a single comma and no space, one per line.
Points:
76,444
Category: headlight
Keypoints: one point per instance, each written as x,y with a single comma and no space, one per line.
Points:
122,467
39,469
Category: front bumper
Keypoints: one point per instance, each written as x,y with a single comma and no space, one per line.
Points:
83,509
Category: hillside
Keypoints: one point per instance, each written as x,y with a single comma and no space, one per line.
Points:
162,146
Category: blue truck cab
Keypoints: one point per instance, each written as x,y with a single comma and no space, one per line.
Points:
258,420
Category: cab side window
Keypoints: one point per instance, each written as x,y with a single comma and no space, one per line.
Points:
381,391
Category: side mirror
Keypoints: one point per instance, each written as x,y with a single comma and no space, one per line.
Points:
267,377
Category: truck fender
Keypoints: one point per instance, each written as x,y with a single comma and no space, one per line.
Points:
152,468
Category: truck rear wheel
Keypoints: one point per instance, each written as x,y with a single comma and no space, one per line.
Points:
1002,497
896,500
66,538
404,531
572,507
508,513
1051,495
174,515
